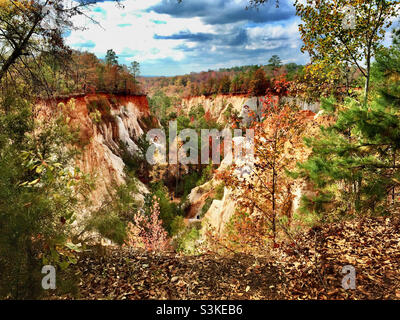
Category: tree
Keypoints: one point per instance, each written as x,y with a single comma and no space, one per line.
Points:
28,28
224,85
265,195
354,161
39,190
331,41
159,104
235,84
111,58
135,69
257,3
259,84
275,61
148,230
319,80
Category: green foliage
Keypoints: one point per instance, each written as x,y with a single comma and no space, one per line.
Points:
159,105
135,69
293,71
186,241
275,61
219,191
109,225
100,106
359,152
136,163
206,206
197,112
186,183
95,116
111,220
177,225
337,41
206,175
168,209
111,57
38,197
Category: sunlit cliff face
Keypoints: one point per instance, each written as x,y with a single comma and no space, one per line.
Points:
105,123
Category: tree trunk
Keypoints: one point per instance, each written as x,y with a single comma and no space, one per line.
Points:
18,50
367,77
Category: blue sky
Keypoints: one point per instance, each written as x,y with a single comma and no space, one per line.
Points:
170,38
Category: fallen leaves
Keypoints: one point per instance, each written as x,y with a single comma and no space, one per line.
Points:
372,246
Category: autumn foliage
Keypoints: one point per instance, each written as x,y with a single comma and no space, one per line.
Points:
265,196
147,231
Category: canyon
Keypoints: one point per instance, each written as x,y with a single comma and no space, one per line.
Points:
120,122
110,125
221,210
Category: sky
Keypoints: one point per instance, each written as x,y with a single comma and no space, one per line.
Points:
170,38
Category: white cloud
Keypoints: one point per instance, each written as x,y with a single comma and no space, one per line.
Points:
131,29
130,32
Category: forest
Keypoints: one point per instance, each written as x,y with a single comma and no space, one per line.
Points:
312,212
235,80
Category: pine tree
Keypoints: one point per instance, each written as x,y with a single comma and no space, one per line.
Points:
135,69
355,160
111,58
275,61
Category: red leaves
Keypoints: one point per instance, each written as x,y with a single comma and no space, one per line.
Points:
207,116
148,231
266,195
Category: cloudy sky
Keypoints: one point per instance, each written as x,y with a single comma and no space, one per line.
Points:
170,38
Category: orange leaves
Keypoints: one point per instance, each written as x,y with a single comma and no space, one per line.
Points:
265,197
148,231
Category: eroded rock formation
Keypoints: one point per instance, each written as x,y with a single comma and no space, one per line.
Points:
108,126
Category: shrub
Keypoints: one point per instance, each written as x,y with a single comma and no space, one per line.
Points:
109,225
187,241
219,191
148,230
38,197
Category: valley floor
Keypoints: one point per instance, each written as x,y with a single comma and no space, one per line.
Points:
311,269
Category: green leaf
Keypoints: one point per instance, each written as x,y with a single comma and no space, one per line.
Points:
74,247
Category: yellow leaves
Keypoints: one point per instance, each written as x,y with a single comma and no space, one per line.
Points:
5,4
9,6
396,180
34,182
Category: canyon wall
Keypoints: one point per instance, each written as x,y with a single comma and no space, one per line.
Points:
217,105
104,122
222,210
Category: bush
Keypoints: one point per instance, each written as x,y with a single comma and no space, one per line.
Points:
111,220
109,225
38,197
219,191
206,175
168,210
186,241
187,183
206,206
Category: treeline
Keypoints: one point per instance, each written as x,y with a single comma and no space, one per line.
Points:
84,73
253,80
